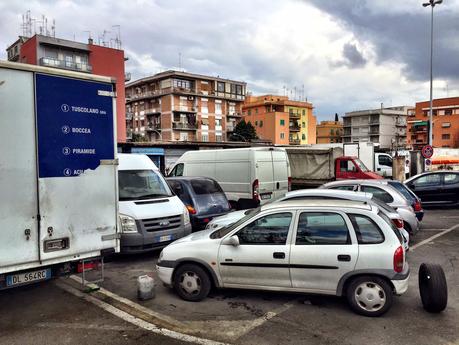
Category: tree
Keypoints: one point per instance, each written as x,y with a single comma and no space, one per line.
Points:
138,138
336,117
244,130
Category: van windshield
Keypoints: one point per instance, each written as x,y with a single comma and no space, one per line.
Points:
142,184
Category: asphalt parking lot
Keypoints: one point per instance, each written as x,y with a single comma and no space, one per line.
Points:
235,316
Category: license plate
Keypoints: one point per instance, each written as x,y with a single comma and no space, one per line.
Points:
164,238
28,277
265,196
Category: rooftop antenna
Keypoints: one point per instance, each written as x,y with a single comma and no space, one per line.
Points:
302,93
104,42
294,94
180,61
88,32
284,89
53,28
118,36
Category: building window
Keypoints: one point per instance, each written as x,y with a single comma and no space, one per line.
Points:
282,135
218,122
261,123
282,123
446,124
256,110
205,137
218,108
256,123
233,88
448,111
204,108
445,136
232,108
181,83
183,136
332,132
239,89
304,112
303,124
218,138
220,86
249,112
303,136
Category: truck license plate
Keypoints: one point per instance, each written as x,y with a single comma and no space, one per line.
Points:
164,238
28,277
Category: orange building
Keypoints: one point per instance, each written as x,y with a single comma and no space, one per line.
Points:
280,120
445,124
329,132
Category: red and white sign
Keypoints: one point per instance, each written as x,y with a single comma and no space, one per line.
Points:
427,151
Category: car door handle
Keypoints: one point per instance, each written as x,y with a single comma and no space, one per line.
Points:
278,255
343,257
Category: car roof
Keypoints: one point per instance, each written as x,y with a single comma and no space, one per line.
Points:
135,161
361,181
350,195
190,178
432,172
329,203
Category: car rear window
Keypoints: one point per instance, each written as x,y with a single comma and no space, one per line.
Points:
403,190
367,231
392,226
205,186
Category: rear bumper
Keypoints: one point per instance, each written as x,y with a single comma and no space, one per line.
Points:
401,286
200,222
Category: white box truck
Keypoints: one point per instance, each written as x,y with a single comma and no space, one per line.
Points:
58,173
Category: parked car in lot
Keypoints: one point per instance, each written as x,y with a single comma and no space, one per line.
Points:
322,194
331,247
202,196
151,216
248,176
409,195
382,190
436,187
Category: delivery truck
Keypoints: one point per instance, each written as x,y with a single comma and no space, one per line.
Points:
311,167
58,172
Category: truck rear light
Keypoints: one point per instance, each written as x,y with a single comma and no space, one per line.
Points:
289,183
399,259
191,209
255,190
398,223
417,206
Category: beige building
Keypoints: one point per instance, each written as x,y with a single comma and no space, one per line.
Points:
329,132
180,106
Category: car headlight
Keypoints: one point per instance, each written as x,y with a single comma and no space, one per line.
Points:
127,224
186,216
160,257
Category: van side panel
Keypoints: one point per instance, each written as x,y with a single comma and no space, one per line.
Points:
264,174
18,177
281,173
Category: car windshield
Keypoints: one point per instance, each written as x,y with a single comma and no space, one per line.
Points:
142,184
205,186
392,226
403,190
361,165
227,229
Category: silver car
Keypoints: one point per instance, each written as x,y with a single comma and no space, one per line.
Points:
331,247
383,191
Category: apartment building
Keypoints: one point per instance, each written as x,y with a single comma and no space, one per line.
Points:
181,106
386,126
329,132
280,120
445,124
54,52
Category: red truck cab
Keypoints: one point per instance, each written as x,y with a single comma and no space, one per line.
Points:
347,167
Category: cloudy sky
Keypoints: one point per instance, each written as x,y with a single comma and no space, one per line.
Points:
347,54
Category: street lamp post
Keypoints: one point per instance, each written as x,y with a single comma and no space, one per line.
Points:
431,3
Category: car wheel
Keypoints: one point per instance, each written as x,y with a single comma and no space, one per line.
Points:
433,287
369,296
191,283
407,227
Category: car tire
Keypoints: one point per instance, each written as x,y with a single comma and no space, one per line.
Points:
191,283
432,287
369,295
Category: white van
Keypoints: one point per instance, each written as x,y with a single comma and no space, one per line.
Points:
248,176
151,216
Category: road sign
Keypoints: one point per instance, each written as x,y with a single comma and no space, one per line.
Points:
427,151
428,162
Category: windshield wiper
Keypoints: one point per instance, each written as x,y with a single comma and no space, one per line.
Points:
149,196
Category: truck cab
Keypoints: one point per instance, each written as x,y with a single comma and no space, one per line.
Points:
348,167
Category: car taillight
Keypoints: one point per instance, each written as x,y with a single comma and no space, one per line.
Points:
255,192
87,266
417,206
398,223
398,259
191,209
289,183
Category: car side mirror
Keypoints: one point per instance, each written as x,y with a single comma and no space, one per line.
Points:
231,241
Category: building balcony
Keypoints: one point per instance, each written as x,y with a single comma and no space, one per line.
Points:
184,109
293,141
73,66
129,116
294,115
153,127
234,115
184,126
294,128
229,128
152,111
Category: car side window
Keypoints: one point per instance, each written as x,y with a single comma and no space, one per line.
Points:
270,229
451,178
378,193
366,230
428,180
347,166
180,191
177,171
322,228
347,187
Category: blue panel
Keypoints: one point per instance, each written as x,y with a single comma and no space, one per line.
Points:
75,125
148,150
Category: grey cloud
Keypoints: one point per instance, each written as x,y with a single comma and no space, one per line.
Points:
352,57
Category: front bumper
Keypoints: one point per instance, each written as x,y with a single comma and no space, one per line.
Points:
165,274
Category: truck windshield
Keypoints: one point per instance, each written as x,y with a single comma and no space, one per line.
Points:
142,184
360,164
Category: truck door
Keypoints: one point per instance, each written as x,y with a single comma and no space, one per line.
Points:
383,164
280,173
18,177
264,174
77,176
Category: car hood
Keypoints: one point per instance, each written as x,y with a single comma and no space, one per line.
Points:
161,207
196,236
227,219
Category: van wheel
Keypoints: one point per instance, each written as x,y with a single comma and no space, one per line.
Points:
191,283
432,287
369,296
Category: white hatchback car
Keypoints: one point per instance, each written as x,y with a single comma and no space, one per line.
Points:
328,247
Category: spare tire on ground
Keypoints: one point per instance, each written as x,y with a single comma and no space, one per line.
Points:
433,287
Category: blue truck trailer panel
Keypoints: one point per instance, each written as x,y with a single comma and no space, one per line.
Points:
74,124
